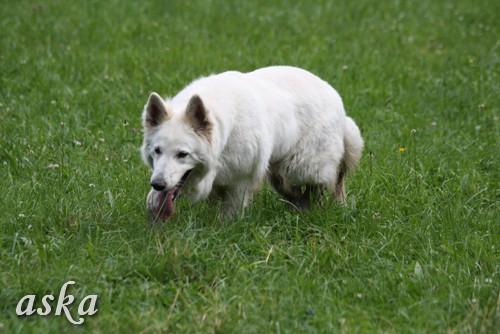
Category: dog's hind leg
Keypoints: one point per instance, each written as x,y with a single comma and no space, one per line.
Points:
290,193
300,196
339,189
311,194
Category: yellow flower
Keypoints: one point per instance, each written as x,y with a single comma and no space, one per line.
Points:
402,149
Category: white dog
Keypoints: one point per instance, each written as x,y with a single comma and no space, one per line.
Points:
223,134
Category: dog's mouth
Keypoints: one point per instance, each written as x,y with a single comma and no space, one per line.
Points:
164,207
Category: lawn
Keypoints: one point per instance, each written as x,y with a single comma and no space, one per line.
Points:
416,248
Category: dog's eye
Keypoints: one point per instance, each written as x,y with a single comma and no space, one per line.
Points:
157,150
182,154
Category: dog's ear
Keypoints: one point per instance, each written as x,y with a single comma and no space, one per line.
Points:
155,111
197,117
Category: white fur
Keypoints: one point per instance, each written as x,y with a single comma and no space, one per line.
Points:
280,118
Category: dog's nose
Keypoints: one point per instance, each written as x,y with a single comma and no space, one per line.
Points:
158,185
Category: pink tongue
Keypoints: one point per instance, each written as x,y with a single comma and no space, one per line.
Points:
165,207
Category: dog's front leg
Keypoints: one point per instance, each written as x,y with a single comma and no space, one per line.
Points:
236,198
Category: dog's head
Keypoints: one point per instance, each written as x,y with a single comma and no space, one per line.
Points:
175,147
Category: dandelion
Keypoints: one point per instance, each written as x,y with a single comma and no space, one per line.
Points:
413,131
402,149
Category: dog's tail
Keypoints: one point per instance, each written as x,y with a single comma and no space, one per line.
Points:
353,147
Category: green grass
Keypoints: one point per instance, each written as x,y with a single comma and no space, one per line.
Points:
415,250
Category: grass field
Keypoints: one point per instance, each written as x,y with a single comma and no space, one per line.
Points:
416,249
